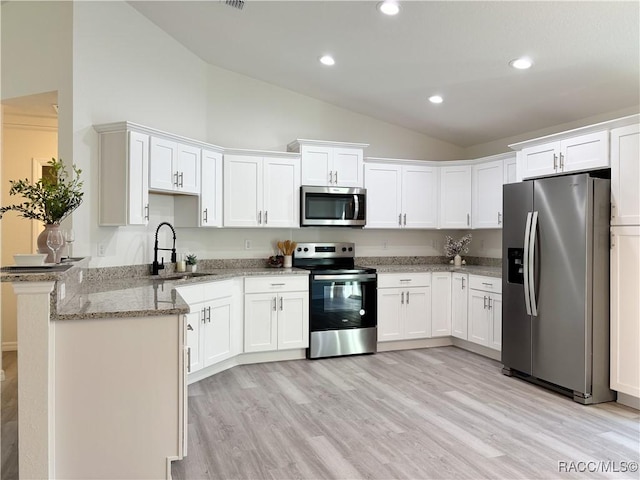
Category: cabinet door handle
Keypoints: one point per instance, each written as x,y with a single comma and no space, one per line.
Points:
181,179
275,304
266,217
555,161
561,161
613,210
612,243
281,304
188,359
462,283
204,315
209,314
485,302
330,177
175,182
407,298
499,218
205,215
489,301
146,212
402,298
260,217
189,327
405,219
400,219
336,175
468,219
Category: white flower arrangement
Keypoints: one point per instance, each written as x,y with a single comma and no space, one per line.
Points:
456,247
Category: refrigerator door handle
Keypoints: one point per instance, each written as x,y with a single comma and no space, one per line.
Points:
532,249
525,263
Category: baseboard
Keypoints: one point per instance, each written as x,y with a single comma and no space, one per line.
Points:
479,349
629,400
411,344
9,346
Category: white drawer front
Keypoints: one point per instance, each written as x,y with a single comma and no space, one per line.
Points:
293,283
391,280
488,284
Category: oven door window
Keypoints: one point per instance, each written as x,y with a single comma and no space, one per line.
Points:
324,206
338,305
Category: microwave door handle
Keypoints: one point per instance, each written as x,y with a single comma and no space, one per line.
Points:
356,207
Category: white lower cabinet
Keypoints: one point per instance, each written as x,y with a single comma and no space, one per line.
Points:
276,313
485,311
625,310
213,332
459,304
404,306
441,304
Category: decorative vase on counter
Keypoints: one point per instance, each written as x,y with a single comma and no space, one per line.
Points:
42,242
192,268
457,261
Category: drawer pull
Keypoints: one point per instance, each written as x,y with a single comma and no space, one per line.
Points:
488,284
406,279
277,284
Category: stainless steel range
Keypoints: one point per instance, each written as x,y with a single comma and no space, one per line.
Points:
343,304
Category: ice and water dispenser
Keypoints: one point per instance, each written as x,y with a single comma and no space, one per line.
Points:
515,272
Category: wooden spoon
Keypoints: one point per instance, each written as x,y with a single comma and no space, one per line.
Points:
280,248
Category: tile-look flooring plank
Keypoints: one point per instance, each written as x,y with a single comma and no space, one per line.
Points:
415,414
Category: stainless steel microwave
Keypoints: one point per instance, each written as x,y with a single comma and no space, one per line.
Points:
332,206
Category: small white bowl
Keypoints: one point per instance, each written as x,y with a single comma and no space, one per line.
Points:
30,259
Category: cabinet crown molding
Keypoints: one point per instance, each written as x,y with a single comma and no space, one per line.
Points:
296,144
126,125
260,153
597,127
440,163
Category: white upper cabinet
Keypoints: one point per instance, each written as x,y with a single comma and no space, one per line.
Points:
455,196
401,196
174,167
124,175
584,152
487,181
330,163
625,175
261,191
204,210
510,169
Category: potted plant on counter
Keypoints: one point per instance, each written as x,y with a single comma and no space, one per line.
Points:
49,200
453,248
192,263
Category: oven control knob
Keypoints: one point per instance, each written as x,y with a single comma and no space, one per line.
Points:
306,249
351,249
344,249
299,249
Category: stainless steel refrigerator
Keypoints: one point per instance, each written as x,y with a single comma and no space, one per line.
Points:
555,284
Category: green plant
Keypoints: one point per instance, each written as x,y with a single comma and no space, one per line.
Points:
192,259
51,199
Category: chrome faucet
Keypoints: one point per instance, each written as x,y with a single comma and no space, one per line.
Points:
156,267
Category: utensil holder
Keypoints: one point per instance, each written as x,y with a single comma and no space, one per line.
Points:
287,261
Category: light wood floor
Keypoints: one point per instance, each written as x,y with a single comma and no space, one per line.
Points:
9,417
432,413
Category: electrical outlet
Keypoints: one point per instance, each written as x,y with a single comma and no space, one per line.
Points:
102,249
62,291
247,244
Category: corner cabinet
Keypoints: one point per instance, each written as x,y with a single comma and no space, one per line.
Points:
486,185
123,175
401,195
583,152
204,210
173,167
330,164
276,313
261,189
404,306
455,196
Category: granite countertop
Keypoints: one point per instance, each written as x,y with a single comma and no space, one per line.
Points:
470,269
148,295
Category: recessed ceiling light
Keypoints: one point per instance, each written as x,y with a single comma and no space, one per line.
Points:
521,63
435,99
327,60
389,7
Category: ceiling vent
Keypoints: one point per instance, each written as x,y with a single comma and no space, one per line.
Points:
239,4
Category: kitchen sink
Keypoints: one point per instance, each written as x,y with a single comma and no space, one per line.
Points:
181,276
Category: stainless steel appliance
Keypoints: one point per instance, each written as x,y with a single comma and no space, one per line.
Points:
332,206
343,304
555,284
